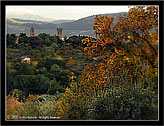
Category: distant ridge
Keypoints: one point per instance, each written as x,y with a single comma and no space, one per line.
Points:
83,26
28,16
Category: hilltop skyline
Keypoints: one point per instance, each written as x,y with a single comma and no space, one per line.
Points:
63,12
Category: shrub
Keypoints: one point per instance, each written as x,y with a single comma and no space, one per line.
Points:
54,87
34,105
126,103
18,93
31,84
14,107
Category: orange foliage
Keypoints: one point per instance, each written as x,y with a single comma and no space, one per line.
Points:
135,27
71,62
13,106
115,59
32,98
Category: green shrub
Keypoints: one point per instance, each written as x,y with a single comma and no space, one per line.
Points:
126,103
34,105
31,84
54,87
18,93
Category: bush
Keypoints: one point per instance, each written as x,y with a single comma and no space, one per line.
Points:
13,106
126,103
73,105
42,105
55,69
34,105
54,87
19,94
31,84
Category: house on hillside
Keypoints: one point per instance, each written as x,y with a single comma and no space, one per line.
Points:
25,59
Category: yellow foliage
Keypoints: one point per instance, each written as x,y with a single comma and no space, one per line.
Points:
9,64
34,63
129,37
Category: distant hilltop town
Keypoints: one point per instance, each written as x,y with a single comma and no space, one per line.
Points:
32,34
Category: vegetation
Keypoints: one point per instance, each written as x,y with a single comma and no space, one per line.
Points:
111,77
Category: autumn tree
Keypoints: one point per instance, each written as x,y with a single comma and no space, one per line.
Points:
120,48
140,27
124,61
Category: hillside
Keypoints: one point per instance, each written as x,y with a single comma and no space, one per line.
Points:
62,21
83,26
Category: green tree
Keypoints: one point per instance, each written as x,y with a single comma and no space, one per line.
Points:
44,36
23,69
48,62
53,39
31,84
22,34
35,42
23,39
54,87
47,42
54,46
65,38
55,69
11,40
10,75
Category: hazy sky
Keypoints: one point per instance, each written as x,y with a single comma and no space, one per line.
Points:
65,12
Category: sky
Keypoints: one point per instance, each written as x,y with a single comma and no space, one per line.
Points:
65,12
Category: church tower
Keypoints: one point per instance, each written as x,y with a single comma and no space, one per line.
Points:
59,30
32,32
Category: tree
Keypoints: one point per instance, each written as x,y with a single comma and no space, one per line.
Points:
54,46
44,36
35,42
11,40
10,76
54,87
75,40
22,34
47,42
53,39
48,62
31,84
65,38
23,69
59,41
121,68
55,69
112,53
23,39
140,26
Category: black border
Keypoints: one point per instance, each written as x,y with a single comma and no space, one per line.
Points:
4,3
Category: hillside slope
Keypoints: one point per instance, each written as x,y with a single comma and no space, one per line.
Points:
83,26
